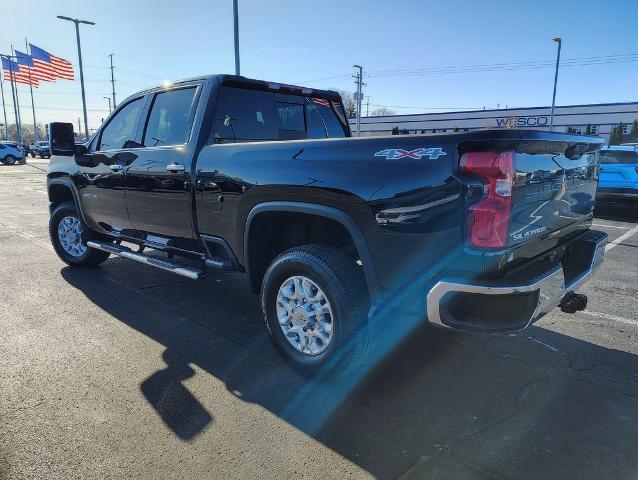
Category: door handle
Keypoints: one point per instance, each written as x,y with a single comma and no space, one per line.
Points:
116,167
175,167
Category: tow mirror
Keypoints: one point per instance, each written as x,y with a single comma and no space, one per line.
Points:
62,139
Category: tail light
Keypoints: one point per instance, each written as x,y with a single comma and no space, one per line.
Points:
488,219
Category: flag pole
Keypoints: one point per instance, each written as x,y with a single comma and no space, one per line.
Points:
35,126
4,110
17,105
13,94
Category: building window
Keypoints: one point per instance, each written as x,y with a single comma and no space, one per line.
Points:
593,129
626,128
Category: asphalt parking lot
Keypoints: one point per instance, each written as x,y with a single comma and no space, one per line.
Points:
126,372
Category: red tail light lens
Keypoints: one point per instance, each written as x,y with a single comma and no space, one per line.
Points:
488,220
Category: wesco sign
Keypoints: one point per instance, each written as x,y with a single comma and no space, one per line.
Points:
511,122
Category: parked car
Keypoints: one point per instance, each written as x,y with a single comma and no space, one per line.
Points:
42,149
10,153
482,231
619,175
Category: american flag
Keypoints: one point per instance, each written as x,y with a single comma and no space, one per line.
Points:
11,70
49,64
27,66
321,101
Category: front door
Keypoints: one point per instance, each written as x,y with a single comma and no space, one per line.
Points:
101,180
158,181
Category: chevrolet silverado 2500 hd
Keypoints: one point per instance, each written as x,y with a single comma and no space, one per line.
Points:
483,231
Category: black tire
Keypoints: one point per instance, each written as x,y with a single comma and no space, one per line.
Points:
91,257
342,282
9,160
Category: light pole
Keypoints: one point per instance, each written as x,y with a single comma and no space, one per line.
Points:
551,118
236,21
109,99
77,34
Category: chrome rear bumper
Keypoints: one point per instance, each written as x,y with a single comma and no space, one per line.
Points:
551,285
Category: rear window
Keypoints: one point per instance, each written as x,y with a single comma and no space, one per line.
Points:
618,156
245,115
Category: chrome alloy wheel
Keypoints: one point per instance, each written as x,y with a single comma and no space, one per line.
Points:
305,315
70,236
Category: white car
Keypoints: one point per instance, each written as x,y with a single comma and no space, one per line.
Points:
10,153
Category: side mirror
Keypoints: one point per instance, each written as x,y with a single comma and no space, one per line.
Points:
62,140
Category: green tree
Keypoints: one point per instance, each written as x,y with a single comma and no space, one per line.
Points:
616,135
395,130
588,129
456,129
405,131
633,134
434,130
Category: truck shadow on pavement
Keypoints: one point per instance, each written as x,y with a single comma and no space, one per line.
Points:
435,404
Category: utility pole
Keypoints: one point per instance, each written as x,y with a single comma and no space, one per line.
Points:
112,82
77,36
359,96
4,111
559,41
368,106
109,99
80,126
236,20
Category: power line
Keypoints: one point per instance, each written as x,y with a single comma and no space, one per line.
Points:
493,67
426,108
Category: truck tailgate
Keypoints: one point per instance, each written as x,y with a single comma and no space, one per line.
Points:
554,187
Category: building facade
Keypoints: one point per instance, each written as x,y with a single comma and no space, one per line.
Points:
601,118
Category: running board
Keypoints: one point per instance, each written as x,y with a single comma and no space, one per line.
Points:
154,261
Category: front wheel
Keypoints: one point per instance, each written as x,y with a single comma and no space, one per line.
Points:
9,160
314,303
69,236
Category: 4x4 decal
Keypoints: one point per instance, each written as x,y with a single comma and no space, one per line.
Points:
396,153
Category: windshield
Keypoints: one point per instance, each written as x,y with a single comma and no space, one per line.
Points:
618,156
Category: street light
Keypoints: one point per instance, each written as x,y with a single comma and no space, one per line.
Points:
77,34
109,99
551,118
236,24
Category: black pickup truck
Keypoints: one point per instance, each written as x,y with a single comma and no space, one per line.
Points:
482,231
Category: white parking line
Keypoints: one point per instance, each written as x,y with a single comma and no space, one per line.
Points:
622,238
614,318
28,236
604,225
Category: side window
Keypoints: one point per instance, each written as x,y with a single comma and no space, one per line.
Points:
316,128
169,120
245,116
122,127
334,126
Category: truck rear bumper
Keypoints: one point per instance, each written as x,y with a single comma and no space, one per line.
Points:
521,299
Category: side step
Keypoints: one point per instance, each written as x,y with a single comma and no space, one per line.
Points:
154,261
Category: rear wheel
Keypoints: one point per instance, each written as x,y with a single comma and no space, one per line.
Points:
314,303
69,236
9,160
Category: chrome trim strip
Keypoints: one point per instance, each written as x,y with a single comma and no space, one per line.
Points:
551,288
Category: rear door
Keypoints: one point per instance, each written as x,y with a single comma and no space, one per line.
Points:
158,195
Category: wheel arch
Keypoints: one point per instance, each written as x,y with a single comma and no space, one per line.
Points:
331,213
62,190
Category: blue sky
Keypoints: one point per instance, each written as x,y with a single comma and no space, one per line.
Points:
316,42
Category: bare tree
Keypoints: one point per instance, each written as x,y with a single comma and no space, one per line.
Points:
349,103
381,112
